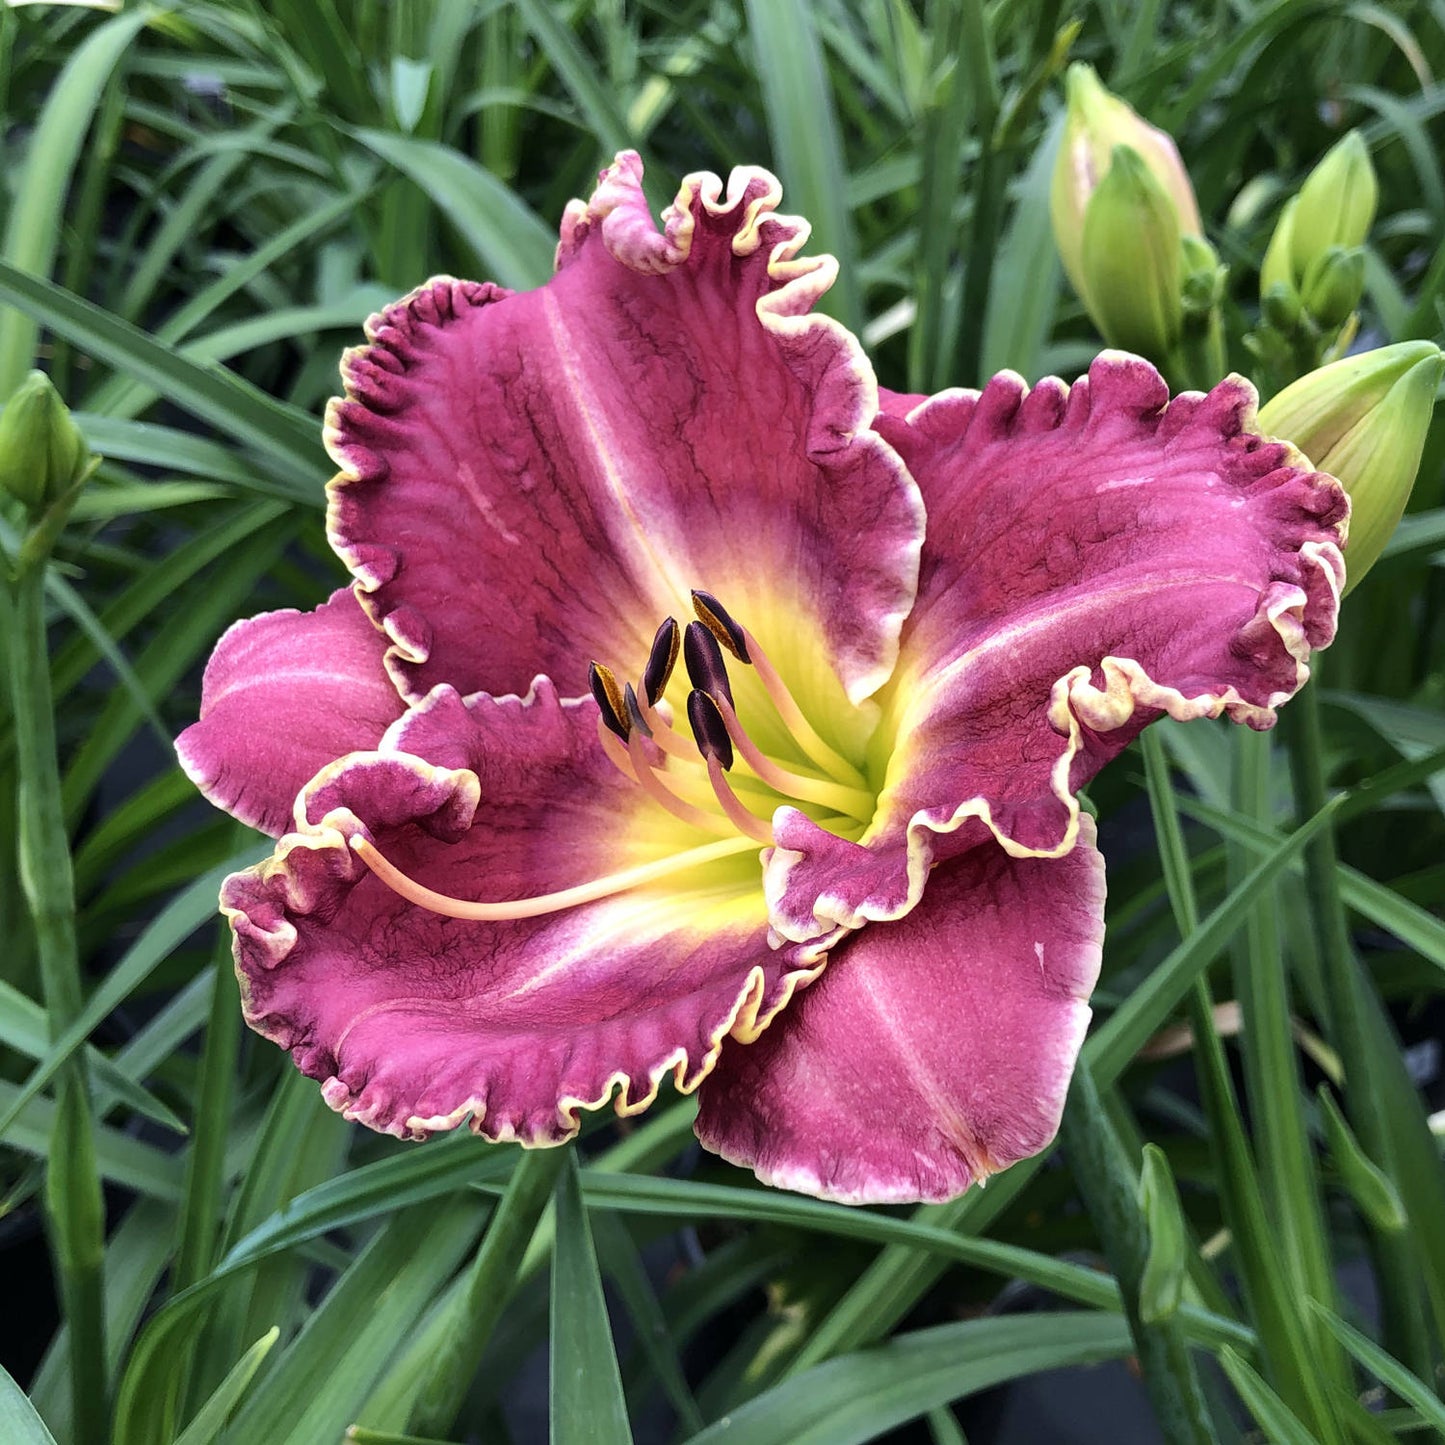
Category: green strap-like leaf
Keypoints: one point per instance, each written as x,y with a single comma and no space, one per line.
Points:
857,1397
289,438
19,1424
511,243
211,1418
33,228
588,1407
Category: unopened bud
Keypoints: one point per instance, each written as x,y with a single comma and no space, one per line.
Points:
1364,420
1204,277
1276,273
42,454
1334,285
1281,306
1098,122
1336,204
1131,259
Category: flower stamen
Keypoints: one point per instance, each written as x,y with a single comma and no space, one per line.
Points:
705,666
626,880
852,801
744,646
660,661
653,785
711,732
609,698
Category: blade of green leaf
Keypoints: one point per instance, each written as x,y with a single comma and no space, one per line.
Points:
32,228
578,71
622,1264
857,1397
288,437
587,1404
316,1386
427,1384
211,1418
804,130
174,923
511,243
1386,1368
19,1424
1279,1423
120,1159
689,1199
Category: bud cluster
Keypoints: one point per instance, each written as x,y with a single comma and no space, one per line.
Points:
1128,232
1313,274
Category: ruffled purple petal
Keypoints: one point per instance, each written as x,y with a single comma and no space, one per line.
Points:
934,1051
284,694
414,1021
533,481
1096,557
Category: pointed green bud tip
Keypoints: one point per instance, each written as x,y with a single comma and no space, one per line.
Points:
1276,273
1132,259
1364,420
1333,286
42,454
1204,276
1095,124
1161,1286
1335,206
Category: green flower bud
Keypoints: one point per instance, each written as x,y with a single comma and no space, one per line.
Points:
42,454
1166,1267
1333,286
1281,306
1364,420
1276,274
1204,277
1132,259
1098,122
1335,206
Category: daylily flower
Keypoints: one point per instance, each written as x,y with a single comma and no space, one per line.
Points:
700,710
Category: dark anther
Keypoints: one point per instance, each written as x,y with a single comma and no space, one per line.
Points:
714,616
709,729
635,718
661,660
704,659
610,699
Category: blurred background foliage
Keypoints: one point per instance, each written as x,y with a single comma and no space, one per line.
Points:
202,204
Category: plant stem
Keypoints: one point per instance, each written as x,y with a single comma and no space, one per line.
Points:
1365,1099
75,1206
1110,1191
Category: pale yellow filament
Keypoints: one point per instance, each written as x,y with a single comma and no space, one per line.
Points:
656,789
622,882
853,801
827,758
744,821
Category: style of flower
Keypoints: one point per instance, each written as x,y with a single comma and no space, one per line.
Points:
698,709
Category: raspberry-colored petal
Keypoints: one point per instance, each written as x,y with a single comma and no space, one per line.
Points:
533,481
935,1050
1097,556
414,1021
283,695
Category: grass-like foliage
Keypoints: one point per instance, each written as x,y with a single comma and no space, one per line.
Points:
202,203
